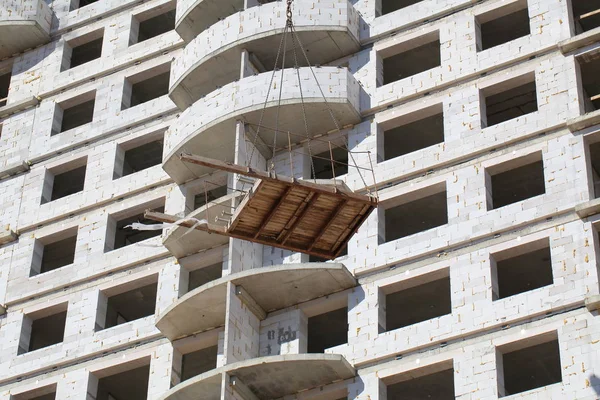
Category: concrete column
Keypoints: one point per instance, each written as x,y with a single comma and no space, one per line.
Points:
284,334
367,387
162,361
241,329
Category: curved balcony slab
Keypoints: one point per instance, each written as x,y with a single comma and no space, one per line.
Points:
328,30
273,288
182,241
269,377
207,128
194,16
24,24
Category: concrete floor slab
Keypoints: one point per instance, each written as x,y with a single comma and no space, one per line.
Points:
197,15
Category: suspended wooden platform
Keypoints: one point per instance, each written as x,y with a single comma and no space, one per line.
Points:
314,218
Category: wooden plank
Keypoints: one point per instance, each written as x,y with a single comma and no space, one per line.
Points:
307,205
273,211
247,171
351,229
235,219
590,14
328,223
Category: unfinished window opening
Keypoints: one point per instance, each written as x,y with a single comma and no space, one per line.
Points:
129,381
327,330
528,364
414,132
586,14
75,4
43,393
594,164
322,164
433,382
133,157
503,25
202,276
4,86
54,251
417,300
198,362
210,195
521,269
410,58
126,306
515,181
73,113
82,50
64,180
388,6
145,86
43,329
118,235
509,100
148,25
589,66
422,210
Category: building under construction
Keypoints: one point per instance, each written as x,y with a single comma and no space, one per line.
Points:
299,200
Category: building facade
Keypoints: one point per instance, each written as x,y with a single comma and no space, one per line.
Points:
475,278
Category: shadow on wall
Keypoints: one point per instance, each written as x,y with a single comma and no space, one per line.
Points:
595,383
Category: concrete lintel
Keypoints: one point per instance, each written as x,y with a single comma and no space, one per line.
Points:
13,169
579,41
8,236
240,387
250,302
17,106
589,208
584,121
592,303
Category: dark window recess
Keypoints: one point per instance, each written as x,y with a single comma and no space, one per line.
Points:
417,304
414,136
416,216
148,89
81,3
131,305
327,330
595,165
388,6
510,104
525,272
202,198
505,29
411,62
142,157
204,275
85,53
434,386
585,16
4,86
531,368
156,26
128,385
58,254
127,236
198,362
46,331
49,396
518,184
78,115
323,167
590,81
68,183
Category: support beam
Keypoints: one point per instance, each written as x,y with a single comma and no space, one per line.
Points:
328,223
273,211
298,218
250,302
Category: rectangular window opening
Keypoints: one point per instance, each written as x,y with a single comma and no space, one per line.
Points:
323,166
203,198
515,181
433,382
427,211
43,329
586,14
76,4
150,25
590,81
594,164
204,275
198,362
119,235
4,87
509,100
417,300
130,305
521,269
83,50
64,181
525,366
130,160
410,58
414,132
503,25
43,393
388,6
146,86
327,330
73,113
54,252
124,381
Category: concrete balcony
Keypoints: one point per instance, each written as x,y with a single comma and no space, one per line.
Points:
272,288
194,16
207,128
270,377
24,24
328,30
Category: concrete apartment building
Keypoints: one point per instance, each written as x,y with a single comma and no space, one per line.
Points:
475,278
